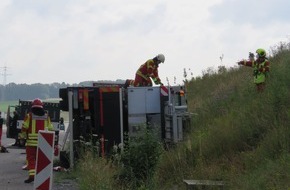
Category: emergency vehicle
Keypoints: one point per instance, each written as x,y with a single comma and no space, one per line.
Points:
103,113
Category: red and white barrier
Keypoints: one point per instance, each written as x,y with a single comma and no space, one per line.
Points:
164,91
44,161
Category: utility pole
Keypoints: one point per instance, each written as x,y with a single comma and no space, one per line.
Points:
4,74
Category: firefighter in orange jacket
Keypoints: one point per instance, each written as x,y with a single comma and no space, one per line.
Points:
261,68
37,119
149,70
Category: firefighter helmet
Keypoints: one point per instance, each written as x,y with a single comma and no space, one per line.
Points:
161,58
261,52
37,103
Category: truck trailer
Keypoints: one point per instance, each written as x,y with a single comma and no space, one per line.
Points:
102,114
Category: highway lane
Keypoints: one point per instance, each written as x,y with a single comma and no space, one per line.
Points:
11,174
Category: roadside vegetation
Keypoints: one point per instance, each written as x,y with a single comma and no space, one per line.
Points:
237,135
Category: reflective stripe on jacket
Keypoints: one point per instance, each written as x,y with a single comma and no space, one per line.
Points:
149,69
260,70
32,124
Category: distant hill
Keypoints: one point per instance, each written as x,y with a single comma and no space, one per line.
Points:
13,91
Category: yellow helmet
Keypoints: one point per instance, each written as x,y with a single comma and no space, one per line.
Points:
261,52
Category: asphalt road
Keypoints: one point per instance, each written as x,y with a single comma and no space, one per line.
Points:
11,174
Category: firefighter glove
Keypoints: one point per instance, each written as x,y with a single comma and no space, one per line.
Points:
256,72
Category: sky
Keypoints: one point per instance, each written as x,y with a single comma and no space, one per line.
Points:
71,41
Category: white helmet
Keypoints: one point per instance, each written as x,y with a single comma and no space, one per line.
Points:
161,58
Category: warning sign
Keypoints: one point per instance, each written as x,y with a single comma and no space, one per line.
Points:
44,161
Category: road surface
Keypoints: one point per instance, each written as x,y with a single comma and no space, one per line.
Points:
11,174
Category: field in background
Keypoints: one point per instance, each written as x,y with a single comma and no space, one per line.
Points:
4,105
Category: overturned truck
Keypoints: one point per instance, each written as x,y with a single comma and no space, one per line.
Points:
103,113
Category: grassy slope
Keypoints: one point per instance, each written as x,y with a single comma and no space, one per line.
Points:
238,135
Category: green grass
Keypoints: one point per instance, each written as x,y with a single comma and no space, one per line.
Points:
4,105
236,135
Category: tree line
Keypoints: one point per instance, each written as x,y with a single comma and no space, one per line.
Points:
13,91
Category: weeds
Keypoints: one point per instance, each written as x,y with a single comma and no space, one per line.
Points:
139,160
237,135
132,168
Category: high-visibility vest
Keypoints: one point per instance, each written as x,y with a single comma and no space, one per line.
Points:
32,124
260,77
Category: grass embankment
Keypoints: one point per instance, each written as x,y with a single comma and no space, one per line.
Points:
237,135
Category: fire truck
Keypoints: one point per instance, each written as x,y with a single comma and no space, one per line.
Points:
23,107
103,113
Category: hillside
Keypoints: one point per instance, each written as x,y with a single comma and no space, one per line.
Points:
237,135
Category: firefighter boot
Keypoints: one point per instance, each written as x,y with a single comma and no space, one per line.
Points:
30,179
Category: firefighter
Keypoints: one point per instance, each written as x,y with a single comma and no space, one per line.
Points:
148,71
261,68
15,129
37,119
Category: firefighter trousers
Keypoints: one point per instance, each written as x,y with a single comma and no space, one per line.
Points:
31,159
140,81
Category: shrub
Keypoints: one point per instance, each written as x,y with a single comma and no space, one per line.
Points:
139,160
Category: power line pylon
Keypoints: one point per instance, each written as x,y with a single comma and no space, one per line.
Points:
4,74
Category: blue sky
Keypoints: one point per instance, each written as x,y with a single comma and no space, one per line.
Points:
46,41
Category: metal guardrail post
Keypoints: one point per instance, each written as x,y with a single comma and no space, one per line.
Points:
70,105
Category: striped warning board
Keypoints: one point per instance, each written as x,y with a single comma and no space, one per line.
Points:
44,161
164,91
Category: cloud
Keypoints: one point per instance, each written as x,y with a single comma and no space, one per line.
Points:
72,40
258,13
